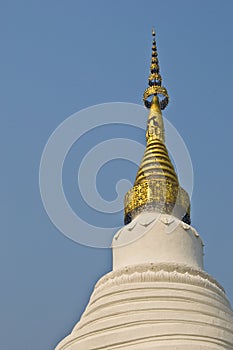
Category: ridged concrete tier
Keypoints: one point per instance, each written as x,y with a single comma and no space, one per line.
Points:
157,296
154,306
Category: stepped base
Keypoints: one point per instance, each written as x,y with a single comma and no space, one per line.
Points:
154,306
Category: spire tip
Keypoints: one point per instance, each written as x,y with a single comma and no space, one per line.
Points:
155,80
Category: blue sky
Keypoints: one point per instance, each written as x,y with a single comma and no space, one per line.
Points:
58,57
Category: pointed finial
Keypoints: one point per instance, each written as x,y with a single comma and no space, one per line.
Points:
156,187
155,80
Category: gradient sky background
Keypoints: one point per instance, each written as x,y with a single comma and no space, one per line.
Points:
58,57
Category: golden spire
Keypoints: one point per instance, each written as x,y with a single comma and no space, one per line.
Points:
156,187
155,80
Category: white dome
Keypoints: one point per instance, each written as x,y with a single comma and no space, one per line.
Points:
157,296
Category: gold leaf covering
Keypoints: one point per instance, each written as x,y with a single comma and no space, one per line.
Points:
156,187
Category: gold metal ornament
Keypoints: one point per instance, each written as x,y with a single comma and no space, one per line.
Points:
156,187
155,80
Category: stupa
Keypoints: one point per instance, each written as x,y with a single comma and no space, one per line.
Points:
158,295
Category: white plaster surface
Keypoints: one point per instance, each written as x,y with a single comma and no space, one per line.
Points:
157,296
153,237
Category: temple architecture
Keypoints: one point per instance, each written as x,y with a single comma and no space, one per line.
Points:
158,295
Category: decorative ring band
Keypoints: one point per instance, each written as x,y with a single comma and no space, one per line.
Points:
156,89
